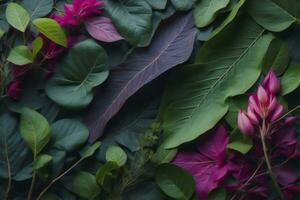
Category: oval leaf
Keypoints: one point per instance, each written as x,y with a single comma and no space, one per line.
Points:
206,11
17,16
116,154
84,68
35,130
275,15
85,185
52,30
290,79
172,46
175,182
20,55
90,150
102,29
38,8
69,134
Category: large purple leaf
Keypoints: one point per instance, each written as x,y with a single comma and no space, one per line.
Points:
171,46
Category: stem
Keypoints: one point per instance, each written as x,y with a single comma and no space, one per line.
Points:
31,186
57,178
8,172
286,114
265,150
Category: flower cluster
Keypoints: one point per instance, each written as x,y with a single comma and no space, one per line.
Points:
78,12
247,176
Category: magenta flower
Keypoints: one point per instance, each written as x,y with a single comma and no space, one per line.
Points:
244,123
14,90
271,83
78,12
208,164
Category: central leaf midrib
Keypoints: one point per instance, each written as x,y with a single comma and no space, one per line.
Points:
224,75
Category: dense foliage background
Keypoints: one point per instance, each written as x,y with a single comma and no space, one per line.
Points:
97,97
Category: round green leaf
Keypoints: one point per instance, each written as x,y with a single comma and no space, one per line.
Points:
17,16
35,130
290,79
84,68
132,19
116,154
206,11
38,8
90,150
183,5
175,182
20,55
106,173
52,30
85,185
42,161
68,134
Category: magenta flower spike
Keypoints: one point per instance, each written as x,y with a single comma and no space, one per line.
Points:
271,82
14,90
244,123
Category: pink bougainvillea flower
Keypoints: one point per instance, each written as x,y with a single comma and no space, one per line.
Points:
208,164
78,12
14,90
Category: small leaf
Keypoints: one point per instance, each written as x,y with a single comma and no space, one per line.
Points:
37,45
218,194
106,173
175,182
50,196
183,5
206,11
20,55
239,142
102,29
163,155
42,161
38,8
52,30
158,4
85,185
116,154
91,150
17,16
35,130
290,79
68,134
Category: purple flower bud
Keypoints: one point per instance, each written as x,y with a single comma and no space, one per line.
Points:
277,113
271,82
244,123
262,95
254,104
290,120
273,104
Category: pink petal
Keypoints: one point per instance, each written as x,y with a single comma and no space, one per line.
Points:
244,123
271,82
102,29
262,95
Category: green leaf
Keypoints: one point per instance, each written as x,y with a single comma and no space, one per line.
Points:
14,154
229,19
106,174
277,57
290,79
69,134
175,182
116,154
50,196
207,10
35,130
91,150
239,142
37,45
20,55
227,65
17,16
217,194
136,19
84,68
163,155
38,8
183,5
158,4
42,161
275,15
85,185
52,30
